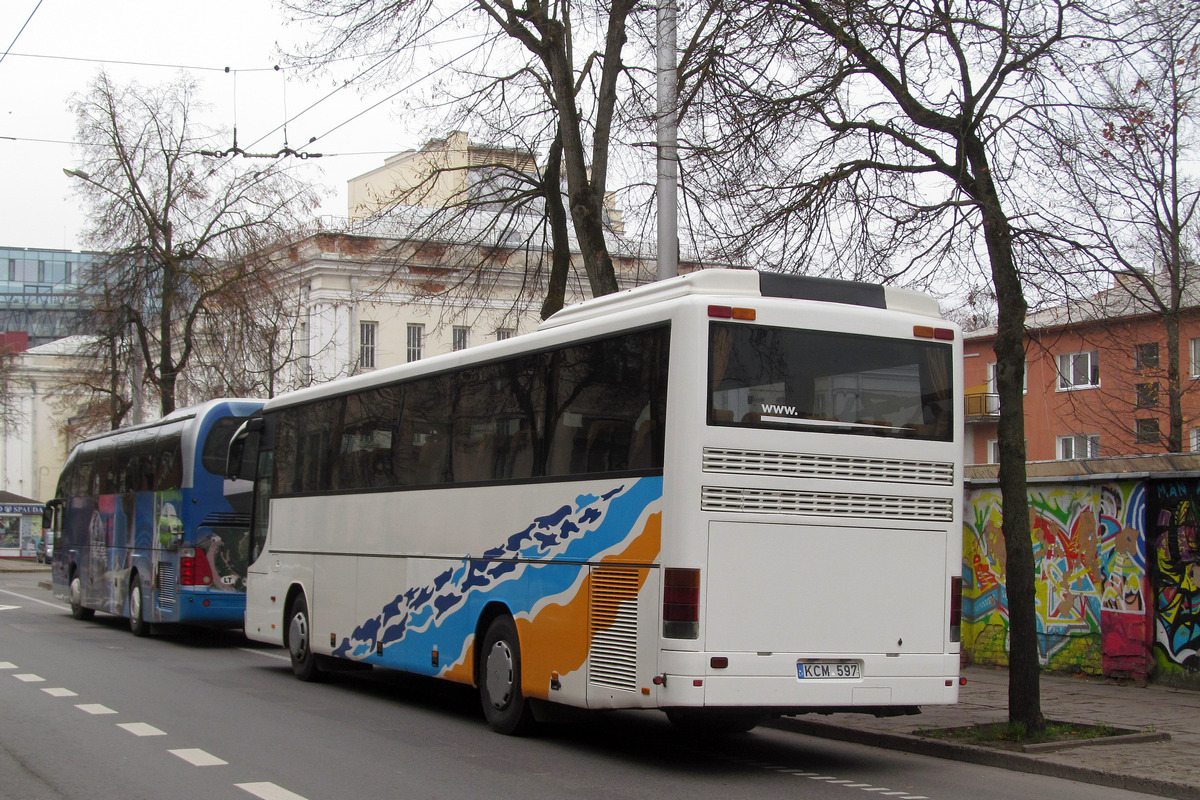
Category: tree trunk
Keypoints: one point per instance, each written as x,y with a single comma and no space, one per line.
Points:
1024,669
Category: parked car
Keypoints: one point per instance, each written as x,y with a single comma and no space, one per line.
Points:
45,548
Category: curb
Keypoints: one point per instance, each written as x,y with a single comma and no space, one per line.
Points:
1004,759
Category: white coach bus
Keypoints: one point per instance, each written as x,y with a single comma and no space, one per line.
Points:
726,495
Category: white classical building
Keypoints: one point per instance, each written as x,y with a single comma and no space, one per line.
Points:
35,445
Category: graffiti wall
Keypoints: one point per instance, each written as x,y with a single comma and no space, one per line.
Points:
1090,564
1173,519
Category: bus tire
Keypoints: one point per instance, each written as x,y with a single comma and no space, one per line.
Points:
504,705
78,610
298,630
137,622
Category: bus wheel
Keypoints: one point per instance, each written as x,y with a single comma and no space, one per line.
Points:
505,707
713,722
299,642
137,622
77,609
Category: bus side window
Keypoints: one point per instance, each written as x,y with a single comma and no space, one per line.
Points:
168,463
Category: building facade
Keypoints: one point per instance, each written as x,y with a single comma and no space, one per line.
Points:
1096,380
40,292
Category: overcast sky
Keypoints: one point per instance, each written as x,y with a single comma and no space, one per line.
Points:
37,79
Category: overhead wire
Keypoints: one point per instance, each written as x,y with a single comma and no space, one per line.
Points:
8,49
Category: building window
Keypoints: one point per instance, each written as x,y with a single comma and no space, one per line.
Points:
416,342
504,333
367,338
1147,395
1147,431
1082,445
67,273
1196,440
12,276
993,387
1079,370
1145,356
1195,348
41,271
461,337
993,451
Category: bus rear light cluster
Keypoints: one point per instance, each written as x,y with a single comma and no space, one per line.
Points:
926,332
729,312
194,569
956,584
681,603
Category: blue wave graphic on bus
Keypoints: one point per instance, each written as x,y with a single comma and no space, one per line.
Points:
521,572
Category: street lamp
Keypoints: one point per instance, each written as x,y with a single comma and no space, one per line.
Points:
76,173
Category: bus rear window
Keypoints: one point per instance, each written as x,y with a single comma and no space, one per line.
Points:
788,378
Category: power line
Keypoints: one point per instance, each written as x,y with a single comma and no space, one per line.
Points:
143,63
8,49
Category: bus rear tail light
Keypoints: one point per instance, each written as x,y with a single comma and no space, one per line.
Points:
681,603
194,569
731,312
956,609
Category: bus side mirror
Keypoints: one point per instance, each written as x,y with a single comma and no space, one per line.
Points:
48,514
242,458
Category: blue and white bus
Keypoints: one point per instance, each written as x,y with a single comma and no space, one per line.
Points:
147,526
726,495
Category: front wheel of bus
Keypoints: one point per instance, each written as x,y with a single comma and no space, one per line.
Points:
77,609
137,623
504,705
299,642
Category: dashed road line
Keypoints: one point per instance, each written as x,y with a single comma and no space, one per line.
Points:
198,758
268,791
94,708
58,691
7,665
275,654
29,677
141,729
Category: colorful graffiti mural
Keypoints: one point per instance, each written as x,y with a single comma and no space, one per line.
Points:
1091,576
1173,517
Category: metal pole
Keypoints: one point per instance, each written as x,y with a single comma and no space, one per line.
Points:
668,141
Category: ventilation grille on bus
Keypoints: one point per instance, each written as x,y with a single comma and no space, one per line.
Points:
807,465
225,519
168,587
831,504
612,659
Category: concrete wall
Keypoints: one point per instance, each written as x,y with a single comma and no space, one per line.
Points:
1118,578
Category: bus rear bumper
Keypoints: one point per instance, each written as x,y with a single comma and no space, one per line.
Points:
211,608
772,682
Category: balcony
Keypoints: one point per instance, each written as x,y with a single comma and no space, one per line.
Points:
981,407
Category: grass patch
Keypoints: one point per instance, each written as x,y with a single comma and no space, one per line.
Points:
1014,736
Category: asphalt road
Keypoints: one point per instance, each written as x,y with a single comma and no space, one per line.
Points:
89,711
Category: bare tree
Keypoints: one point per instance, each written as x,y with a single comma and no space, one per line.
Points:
539,82
1121,149
179,229
878,138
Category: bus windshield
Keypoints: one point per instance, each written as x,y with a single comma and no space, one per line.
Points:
767,377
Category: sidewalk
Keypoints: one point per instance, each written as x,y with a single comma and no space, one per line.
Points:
1168,768
22,565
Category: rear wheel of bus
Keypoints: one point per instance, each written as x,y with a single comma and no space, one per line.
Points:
504,705
137,623
298,630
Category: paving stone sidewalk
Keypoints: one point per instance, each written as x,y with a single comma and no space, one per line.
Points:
1169,768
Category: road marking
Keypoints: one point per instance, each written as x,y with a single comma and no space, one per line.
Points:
141,729
60,692
268,791
33,599
198,758
8,608
29,677
95,708
275,654
7,665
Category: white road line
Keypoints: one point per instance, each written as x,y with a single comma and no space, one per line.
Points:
198,758
268,791
9,608
34,599
141,729
275,654
7,665
29,677
58,691
95,708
